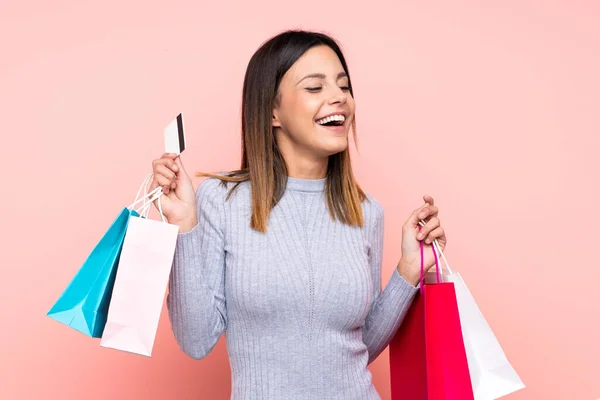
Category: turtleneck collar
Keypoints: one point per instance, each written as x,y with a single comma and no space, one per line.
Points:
305,185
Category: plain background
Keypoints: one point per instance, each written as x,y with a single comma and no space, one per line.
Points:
490,107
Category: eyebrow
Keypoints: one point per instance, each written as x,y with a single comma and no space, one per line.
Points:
322,76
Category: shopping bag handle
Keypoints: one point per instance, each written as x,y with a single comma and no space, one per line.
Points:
155,194
437,252
144,187
143,190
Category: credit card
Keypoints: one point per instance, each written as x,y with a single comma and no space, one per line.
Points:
175,136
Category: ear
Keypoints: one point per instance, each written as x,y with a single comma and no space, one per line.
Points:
275,122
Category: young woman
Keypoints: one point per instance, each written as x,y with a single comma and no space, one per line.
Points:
284,255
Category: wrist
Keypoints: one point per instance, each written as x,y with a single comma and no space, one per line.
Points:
187,224
410,275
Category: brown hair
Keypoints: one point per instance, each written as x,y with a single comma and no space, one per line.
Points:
262,162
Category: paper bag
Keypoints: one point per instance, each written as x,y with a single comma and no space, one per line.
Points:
427,355
492,376
491,373
83,305
140,284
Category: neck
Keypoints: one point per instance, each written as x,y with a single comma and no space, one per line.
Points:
307,170
302,164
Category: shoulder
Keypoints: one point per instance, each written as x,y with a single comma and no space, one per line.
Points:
373,212
216,190
211,188
372,207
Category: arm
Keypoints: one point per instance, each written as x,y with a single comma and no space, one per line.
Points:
390,305
196,299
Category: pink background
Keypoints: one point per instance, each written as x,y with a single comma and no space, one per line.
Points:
492,109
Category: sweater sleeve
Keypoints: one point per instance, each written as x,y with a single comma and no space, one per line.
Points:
196,299
390,305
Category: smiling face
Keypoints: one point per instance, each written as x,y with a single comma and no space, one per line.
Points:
314,109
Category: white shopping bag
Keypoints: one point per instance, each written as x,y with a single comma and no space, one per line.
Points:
141,281
491,373
492,376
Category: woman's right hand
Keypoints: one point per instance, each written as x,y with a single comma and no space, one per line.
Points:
178,202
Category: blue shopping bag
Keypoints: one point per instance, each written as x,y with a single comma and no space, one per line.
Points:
84,303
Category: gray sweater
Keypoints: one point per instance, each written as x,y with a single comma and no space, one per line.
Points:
301,306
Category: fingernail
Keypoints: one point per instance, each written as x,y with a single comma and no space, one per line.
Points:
420,236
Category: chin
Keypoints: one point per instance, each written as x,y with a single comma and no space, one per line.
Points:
334,146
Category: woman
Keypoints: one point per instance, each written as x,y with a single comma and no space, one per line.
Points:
284,255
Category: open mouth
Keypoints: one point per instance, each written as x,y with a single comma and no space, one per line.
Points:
332,121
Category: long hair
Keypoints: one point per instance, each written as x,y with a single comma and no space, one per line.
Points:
262,162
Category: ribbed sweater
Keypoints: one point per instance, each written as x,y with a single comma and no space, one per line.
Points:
301,306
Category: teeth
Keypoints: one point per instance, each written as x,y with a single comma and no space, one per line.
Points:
331,118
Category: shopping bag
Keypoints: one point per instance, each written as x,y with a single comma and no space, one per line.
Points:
427,354
83,305
492,375
141,283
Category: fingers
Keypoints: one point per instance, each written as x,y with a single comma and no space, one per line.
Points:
164,177
413,219
428,212
165,172
171,156
437,233
165,183
428,229
179,164
167,160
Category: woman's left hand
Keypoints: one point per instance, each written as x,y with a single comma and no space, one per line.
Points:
410,262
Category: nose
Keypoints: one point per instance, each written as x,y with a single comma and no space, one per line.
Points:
338,96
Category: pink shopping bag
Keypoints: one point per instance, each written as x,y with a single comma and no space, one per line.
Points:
141,283
427,355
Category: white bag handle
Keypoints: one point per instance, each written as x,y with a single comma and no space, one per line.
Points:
438,250
143,189
155,194
145,208
144,184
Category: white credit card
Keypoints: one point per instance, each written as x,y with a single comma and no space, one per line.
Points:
175,136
